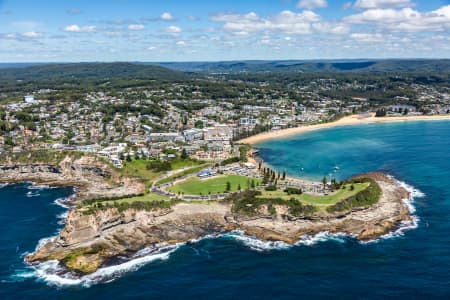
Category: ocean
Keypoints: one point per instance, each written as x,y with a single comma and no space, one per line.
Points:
414,264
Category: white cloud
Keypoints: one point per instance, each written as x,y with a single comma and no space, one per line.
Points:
405,19
32,34
181,43
332,28
8,36
287,22
312,4
366,4
136,27
166,16
29,35
173,29
76,28
113,33
368,37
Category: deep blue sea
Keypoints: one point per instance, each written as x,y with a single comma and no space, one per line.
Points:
415,265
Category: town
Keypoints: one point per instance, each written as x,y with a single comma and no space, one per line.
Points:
186,118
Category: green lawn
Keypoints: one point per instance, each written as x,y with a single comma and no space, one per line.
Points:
330,199
183,163
197,186
138,168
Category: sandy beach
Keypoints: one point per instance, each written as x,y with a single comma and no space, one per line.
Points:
349,120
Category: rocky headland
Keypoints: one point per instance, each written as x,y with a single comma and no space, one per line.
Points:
93,178
91,240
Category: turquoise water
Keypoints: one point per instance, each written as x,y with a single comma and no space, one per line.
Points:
415,265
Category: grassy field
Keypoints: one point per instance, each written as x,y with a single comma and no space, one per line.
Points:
330,199
183,163
138,168
197,186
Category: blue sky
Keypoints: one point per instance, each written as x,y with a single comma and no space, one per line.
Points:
208,30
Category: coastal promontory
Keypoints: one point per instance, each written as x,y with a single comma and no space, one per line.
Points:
100,229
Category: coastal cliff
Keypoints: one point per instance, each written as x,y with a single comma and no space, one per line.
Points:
93,177
92,240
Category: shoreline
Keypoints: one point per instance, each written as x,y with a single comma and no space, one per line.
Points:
92,242
345,121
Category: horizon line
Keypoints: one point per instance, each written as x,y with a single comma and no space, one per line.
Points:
218,61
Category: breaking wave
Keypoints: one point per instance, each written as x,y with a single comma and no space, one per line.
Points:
52,273
31,194
256,244
409,203
39,187
63,202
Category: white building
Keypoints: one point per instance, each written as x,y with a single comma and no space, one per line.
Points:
29,99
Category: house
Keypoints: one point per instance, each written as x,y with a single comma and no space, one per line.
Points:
166,136
248,122
29,99
193,134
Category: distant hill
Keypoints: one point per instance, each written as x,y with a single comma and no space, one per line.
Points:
90,71
169,71
19,65
411,65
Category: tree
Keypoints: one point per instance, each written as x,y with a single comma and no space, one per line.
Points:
199,124
184,154
283,177
265,178
239,187
9,141
228,187
324,181
380,112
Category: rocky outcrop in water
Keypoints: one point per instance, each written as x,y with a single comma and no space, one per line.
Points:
93,177
90,241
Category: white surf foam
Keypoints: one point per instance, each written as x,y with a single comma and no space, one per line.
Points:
2,185
53,274
324,236
31,194
409,203
38,187
62,218
44,241
257,244
306,240
63,202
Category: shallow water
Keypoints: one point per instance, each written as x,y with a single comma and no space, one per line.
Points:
413,265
